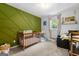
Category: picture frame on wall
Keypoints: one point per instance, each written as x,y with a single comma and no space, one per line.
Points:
69,20
44,23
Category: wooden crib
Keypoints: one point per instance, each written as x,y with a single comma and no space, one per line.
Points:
27,39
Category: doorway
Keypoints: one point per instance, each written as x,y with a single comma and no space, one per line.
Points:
54,26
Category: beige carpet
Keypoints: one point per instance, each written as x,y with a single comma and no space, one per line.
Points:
45,48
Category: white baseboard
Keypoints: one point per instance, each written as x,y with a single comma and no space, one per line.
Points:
14,46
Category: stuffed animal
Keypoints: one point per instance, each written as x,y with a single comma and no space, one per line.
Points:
5,48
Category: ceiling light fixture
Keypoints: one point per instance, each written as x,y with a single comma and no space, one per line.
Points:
45,5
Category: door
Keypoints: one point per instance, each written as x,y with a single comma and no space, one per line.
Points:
54,25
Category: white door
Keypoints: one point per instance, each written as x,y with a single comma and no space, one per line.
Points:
54,23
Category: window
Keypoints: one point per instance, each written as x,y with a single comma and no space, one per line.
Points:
53,23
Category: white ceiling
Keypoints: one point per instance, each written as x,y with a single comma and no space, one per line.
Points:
39,10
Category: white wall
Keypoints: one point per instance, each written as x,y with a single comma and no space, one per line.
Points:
73,11
49,32
45,28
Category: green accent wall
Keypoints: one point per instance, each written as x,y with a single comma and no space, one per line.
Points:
13,20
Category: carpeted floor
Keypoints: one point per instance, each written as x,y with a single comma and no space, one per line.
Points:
45,48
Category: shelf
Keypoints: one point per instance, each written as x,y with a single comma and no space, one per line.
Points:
74,51
76,40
